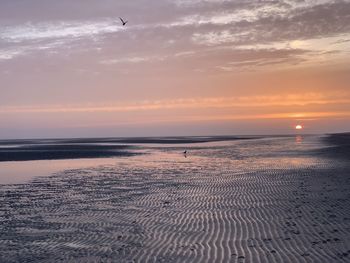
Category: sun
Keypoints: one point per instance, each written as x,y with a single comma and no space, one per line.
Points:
298,127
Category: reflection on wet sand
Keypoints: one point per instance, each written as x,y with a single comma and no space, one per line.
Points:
298,139
267,200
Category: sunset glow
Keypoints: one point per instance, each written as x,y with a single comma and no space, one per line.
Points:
184,63
298,127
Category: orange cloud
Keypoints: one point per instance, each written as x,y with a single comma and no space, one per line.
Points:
195,103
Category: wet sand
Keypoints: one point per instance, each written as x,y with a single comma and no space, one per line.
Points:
267,200
59,152
60,149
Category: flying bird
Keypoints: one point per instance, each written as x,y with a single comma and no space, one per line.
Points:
123,22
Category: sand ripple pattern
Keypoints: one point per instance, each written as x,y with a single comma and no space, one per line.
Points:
225,206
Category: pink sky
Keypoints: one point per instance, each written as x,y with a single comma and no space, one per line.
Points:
180,67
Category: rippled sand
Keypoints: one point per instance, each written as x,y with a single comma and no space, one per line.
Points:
267,200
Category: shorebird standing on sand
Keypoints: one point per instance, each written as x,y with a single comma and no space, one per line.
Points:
185,153
123,22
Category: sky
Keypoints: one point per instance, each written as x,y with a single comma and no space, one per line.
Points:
179,67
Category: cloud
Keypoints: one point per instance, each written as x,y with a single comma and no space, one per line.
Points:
35,32
304,22
7,54
193,103
211,59
132,60
218,34
47,36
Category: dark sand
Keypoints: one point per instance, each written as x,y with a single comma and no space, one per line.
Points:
338,146
58,149
268,200
59,152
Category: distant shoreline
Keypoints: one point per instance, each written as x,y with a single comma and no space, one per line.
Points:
60,149
32,150
129,140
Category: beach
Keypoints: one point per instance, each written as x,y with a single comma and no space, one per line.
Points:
229,199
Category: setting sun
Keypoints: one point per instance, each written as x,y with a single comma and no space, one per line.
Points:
298,127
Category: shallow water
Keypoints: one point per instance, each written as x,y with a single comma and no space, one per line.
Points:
20,172
24,171
263,200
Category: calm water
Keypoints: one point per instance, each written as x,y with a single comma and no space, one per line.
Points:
295,149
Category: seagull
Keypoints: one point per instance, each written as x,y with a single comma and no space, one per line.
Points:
123,22
185,153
